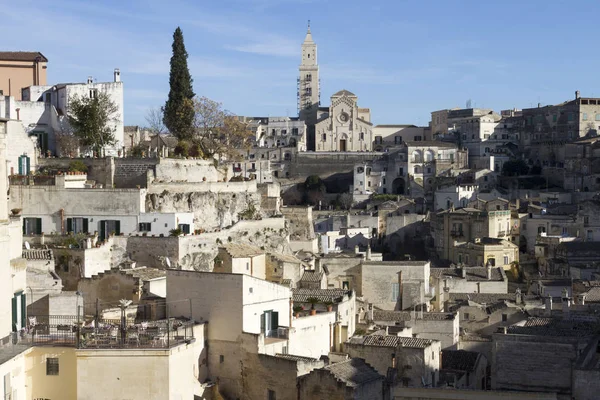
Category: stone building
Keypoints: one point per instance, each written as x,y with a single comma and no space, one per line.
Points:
131,283
541,355
350,379
547,129
463,225
464,370
469,280
284,269
20,69
54,99
483,251
345,126
415,362
238,258
440,326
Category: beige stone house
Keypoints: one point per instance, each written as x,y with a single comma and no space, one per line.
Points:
238,258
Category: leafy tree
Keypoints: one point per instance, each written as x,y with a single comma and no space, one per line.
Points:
314,183
178,112
92,118
515,168
218,131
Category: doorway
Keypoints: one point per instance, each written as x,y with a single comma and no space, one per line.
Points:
343,145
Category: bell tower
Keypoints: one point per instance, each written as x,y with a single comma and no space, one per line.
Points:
308,93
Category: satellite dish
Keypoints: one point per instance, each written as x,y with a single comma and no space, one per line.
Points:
168,262
27,246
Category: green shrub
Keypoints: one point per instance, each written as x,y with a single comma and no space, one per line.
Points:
77,166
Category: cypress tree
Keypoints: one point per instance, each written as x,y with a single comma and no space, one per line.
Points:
179,110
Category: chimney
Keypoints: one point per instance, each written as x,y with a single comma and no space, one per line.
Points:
548,306
518,296
117,75
566,302
488,271
370,312
90,80
577,94
368,257
356,250
582,299
539,105
463,272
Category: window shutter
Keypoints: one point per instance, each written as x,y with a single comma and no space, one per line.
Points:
14,314
27,166
69,225
38,226
85,226
24,226
275,320
103,230
262,322
117,228
23,309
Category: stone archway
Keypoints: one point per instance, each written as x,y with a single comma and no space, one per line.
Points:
398,186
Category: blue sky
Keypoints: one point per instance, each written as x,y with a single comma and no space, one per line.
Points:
403,59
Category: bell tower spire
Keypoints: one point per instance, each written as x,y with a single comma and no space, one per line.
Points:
308,80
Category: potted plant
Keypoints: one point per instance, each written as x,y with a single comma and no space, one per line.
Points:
298,310
329,305
313,301
16,212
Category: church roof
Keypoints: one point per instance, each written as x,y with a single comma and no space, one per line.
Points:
344,92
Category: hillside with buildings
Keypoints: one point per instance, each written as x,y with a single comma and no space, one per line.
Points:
325,257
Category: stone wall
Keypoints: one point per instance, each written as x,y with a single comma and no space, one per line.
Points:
324,165
402,393
216,206
197,252
533,363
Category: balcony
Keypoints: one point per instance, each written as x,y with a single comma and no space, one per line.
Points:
277,335
51,330
501,233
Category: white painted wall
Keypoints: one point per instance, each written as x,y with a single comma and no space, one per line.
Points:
260,296
312,336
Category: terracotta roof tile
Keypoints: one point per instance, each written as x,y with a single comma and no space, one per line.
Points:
353,372
22,56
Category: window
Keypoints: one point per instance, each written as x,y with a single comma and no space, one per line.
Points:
271,394
221,358
362,136
324,137
504,317
586,220
294,131
32,226
346,285
590,236
185,228
247,266
570,117
51,366
460,258
369,183
250,290
395,291
466,316
93,93
397,139
506,261
418,138
541,229
554,118
145,227
597,117
584,117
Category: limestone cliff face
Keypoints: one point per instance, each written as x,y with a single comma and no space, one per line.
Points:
211,210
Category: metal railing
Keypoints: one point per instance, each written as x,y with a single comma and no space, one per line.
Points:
281,332
106,333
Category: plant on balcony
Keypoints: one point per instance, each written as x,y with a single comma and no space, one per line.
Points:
298,310
329,305
16,211
313,301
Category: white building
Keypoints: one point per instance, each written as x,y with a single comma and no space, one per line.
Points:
345,126
459,195
281,132
51,103
69,207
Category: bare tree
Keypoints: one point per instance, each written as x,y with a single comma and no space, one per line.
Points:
219,132
345,200
67,144
154,120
